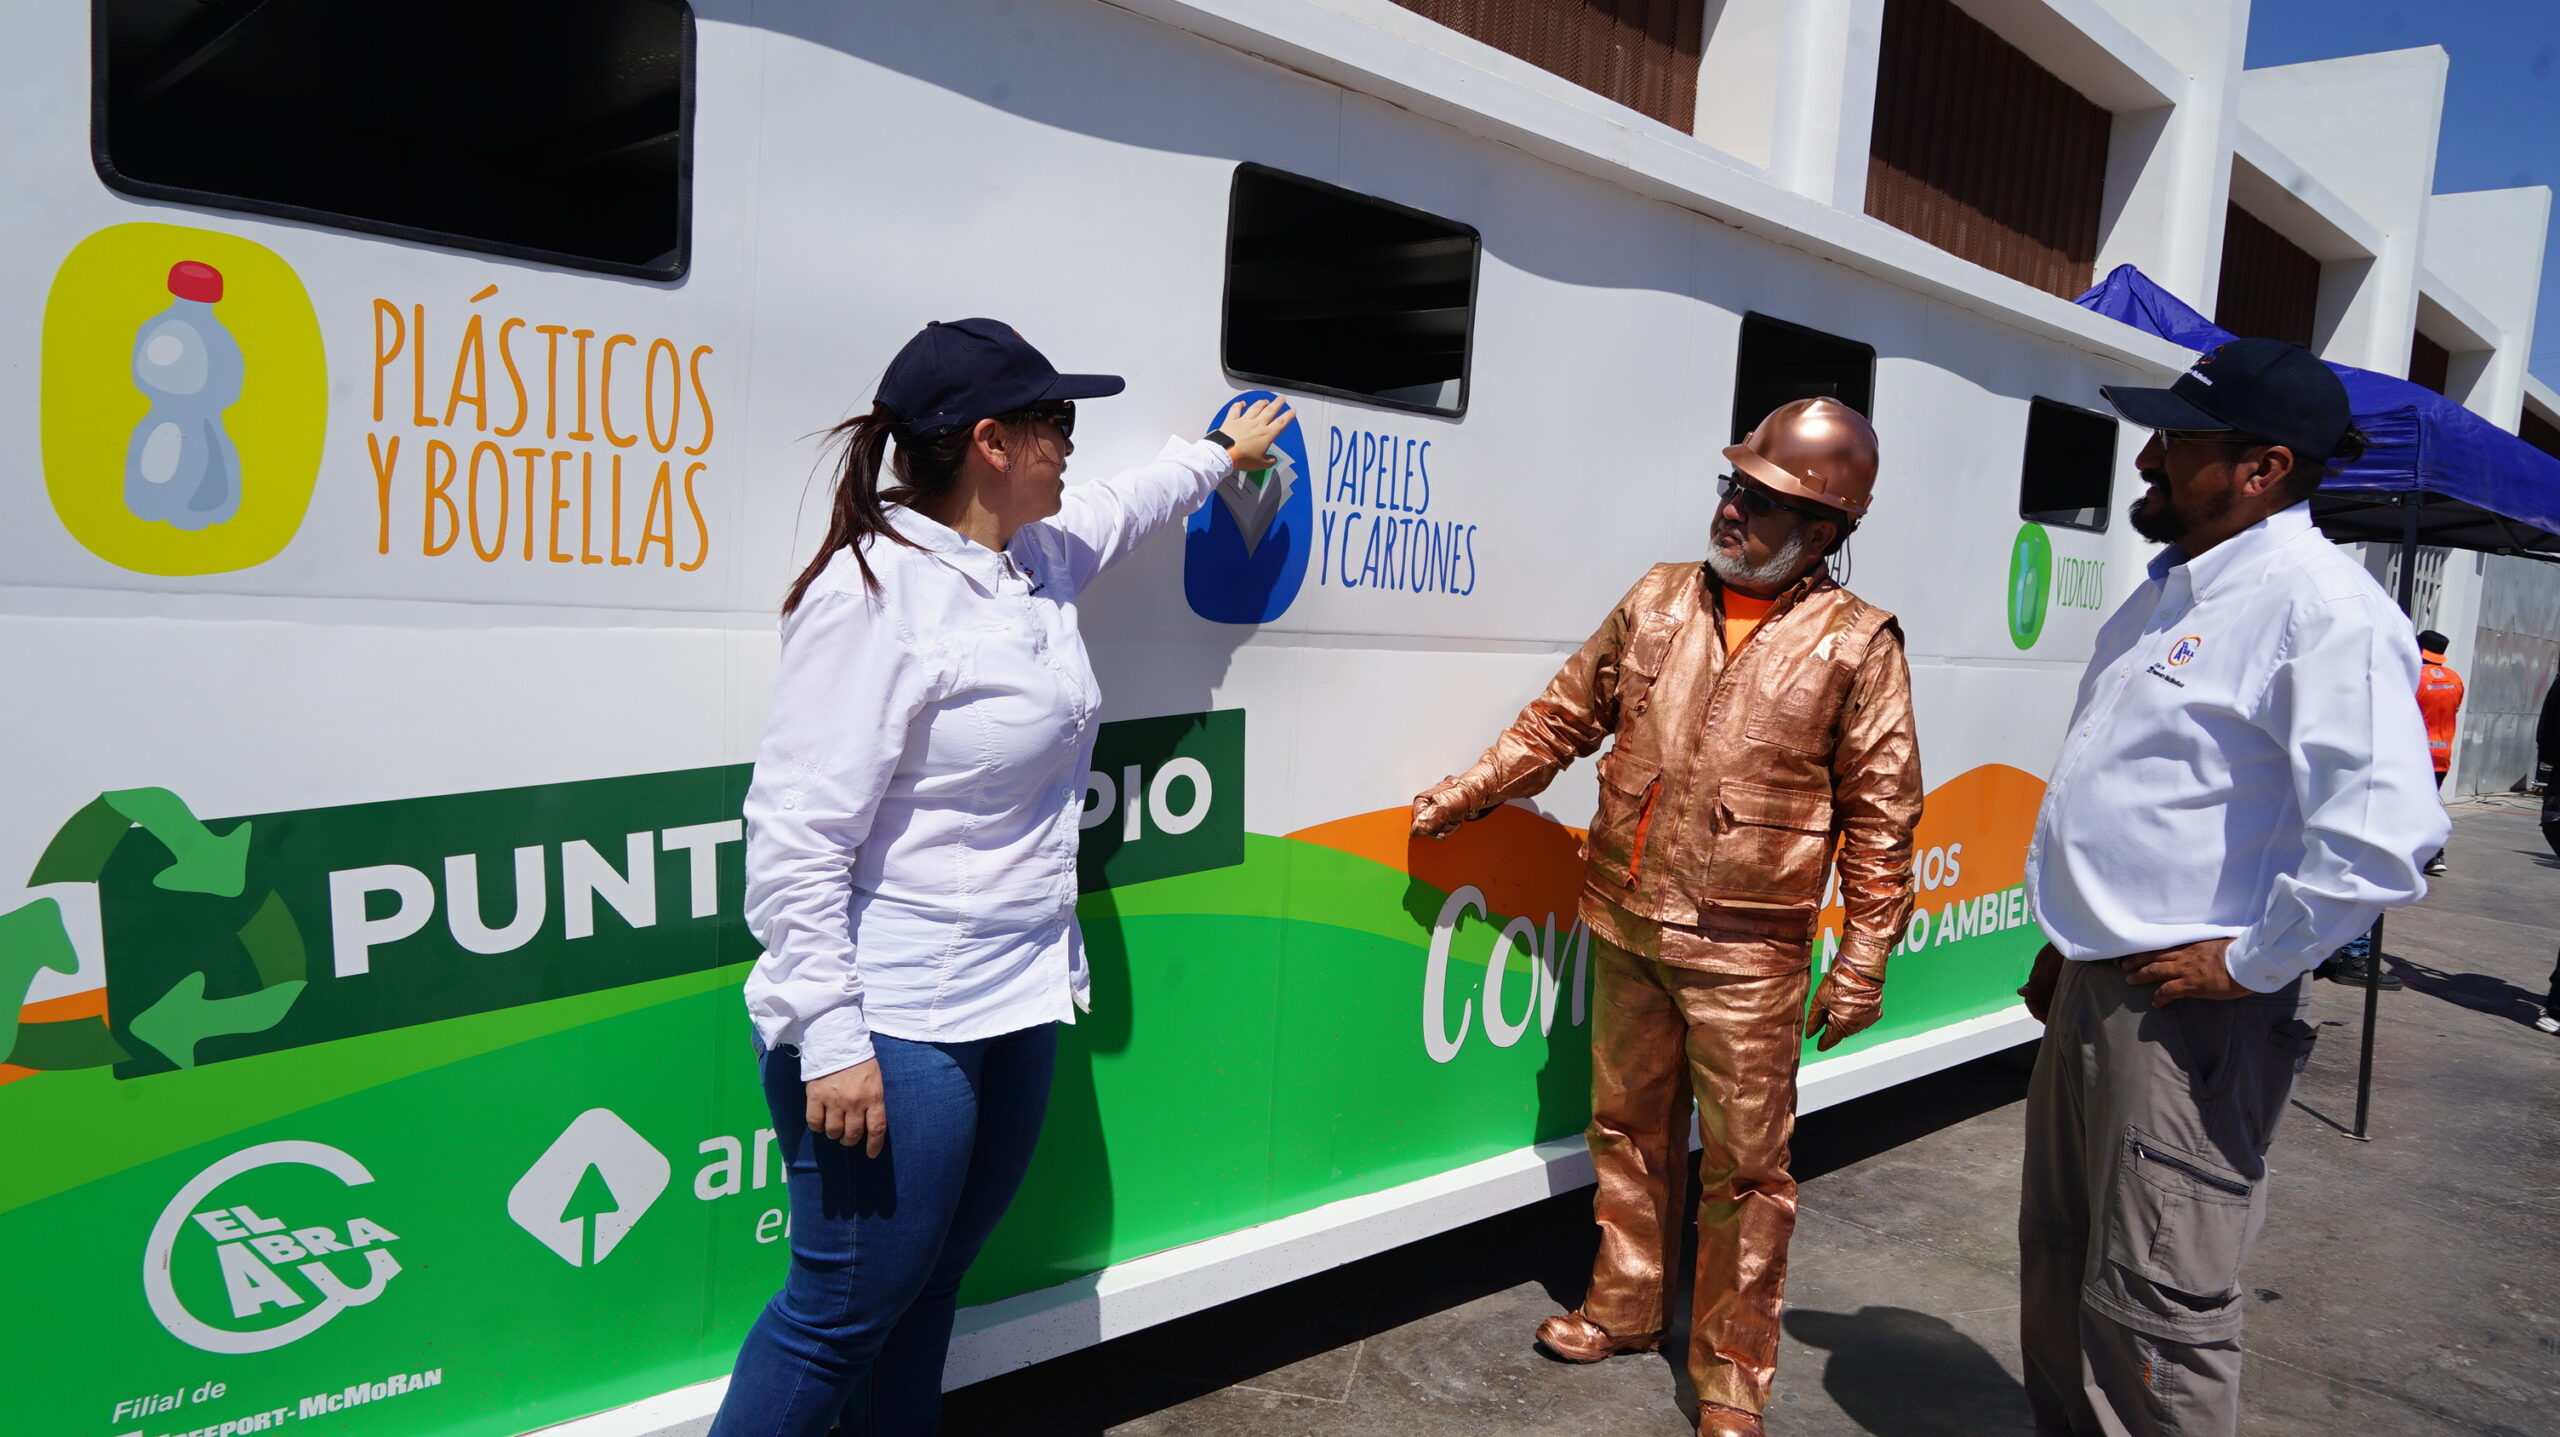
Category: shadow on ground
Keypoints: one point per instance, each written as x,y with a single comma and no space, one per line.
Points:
1547,1243
1880,1356
2479,992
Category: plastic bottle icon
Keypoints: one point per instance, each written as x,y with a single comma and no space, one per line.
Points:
181,468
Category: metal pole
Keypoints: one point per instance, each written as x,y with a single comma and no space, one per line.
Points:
2372,1009
2373,960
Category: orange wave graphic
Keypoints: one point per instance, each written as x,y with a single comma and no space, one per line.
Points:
89,1004
1529,864
69,1008
1990,813
1526,865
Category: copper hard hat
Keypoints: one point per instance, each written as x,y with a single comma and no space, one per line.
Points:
1817,449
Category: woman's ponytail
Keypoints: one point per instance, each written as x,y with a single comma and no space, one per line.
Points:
925,469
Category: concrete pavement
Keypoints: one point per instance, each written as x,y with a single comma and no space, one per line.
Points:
2409,1285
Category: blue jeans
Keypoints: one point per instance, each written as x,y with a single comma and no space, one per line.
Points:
878,1245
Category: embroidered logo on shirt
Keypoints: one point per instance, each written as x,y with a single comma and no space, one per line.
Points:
2184,650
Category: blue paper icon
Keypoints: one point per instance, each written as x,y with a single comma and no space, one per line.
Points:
1244,554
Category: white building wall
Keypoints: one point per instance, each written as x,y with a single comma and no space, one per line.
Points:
2167,74
1790,86
2485,247
1742,58
2364,128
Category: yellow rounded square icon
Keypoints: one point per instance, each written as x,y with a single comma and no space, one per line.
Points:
185,396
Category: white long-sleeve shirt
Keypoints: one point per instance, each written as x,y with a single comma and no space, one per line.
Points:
2246,761
912,823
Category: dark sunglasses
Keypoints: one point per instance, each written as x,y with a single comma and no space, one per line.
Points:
1061,412
1757,502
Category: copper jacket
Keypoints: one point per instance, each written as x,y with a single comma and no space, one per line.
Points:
1731,778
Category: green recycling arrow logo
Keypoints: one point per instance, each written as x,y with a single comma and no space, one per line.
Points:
34,938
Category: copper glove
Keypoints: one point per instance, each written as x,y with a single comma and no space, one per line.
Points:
1847,1004
1439,809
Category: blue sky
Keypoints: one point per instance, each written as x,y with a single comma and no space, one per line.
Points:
2501,104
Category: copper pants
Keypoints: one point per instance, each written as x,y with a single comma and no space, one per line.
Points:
1660,1034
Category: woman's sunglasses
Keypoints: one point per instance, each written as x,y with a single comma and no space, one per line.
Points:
1061,412
1757,502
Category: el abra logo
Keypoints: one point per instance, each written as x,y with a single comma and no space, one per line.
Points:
258,1230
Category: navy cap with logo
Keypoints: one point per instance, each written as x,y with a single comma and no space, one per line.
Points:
965,370
2273,391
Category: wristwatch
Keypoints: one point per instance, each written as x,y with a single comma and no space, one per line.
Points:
1221,438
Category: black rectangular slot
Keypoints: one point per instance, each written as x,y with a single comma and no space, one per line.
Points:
1778,363
2068,476
1333,292
559,132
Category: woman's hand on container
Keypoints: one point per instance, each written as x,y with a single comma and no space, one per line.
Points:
847,1106
1252,428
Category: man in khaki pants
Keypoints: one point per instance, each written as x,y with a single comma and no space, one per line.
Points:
2244,786
1760,712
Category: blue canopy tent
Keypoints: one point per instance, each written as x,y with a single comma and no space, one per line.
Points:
2435,473
2465,483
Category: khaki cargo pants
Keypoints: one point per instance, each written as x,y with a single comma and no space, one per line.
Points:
2145,1185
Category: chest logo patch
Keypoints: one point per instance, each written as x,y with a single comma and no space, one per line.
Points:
2184,650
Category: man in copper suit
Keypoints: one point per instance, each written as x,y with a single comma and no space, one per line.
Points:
1761,713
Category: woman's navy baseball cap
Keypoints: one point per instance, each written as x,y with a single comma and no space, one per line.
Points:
2268,389
971,369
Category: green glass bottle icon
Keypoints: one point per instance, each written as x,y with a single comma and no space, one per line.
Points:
2030,584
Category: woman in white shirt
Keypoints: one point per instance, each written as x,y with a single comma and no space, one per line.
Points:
911,855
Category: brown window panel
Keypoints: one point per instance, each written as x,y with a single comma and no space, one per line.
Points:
2430,363
2541,433
1982,152
2270,287
1644,54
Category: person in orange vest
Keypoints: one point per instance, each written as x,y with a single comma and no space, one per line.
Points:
2439,699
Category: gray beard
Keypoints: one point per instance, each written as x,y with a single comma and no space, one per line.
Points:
1770,575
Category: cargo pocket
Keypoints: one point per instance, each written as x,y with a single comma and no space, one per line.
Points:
1770,841
2179,1226
1800,710
1641,665
1650,645
1627,789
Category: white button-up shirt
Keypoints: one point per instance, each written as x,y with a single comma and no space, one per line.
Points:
912,824
2246,761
